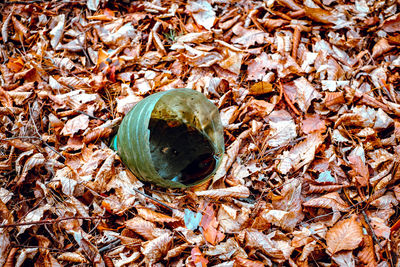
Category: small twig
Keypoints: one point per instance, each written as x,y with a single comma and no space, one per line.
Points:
23,2
110,246
19,137
37,1
265,152
152,198
296,41
38,247
288,100
91,116
372,230
291,105
50,221
330,213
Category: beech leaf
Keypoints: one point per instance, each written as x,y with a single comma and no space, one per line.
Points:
344,235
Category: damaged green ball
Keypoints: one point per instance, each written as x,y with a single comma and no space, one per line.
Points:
172,139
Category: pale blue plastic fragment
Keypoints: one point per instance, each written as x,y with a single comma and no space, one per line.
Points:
326,177
192,219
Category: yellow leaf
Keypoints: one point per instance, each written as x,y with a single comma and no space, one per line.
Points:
260,88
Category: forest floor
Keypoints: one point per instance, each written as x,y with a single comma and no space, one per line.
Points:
308,93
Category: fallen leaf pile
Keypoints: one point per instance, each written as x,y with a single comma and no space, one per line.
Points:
309,96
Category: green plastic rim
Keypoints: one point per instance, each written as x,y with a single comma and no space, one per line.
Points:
187,106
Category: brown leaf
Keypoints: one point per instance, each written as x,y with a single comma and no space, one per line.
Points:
235,191
152,216
242,262
320,15
344,235
313,123
381,47
19,97
302,92
258,240
21,145
155,249
142,227
329,201
20,28
392,24
176,251
334,99
36,160
360,169
301,154
202,12
80,122
72,257
367,254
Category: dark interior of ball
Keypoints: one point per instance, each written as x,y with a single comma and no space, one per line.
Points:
180,152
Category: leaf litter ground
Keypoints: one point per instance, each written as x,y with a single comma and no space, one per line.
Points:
309,97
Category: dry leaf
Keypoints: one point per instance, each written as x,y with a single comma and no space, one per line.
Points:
260,88
329,201
72,257
367,254
80,122
313,123
198,258
242,262
142,227
153,216
209,224
15,64
235,191
344,235
155,249
202,13
392,24
360,169
301,154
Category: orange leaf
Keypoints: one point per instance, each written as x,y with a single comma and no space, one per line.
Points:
260,88
210,224
15,64
344,235
198,258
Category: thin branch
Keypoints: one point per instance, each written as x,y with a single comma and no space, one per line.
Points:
50,221
19,137
39,247
110,246
330,213
152,198
91,116
23,2
38,1
372,230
